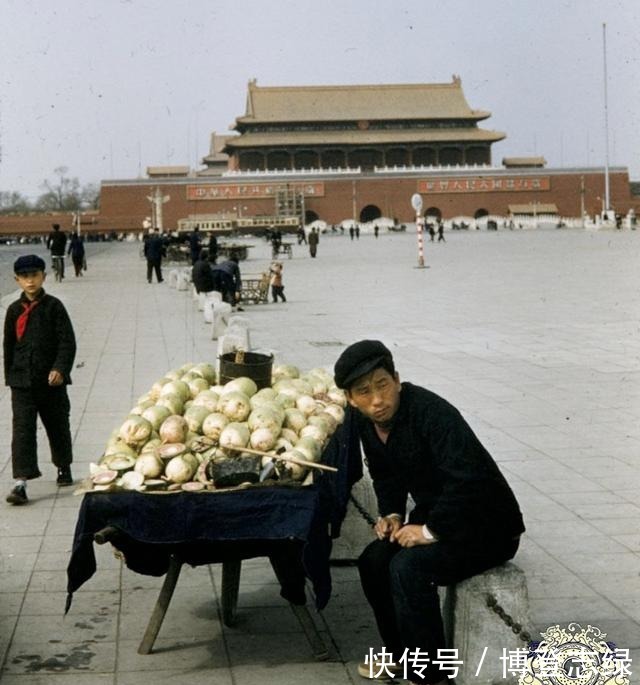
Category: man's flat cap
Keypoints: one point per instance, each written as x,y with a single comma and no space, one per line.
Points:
358,359
28,263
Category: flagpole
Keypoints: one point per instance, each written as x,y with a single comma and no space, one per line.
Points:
607,206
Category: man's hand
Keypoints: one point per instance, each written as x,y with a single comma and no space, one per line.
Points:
55,377
410,536
387,526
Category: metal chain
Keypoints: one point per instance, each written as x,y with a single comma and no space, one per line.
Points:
516,628
363,512
491,600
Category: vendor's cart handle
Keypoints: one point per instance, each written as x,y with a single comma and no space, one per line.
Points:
105,535
293,460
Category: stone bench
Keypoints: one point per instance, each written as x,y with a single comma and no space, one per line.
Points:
470,625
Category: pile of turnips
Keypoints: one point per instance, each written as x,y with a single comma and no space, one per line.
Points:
186,426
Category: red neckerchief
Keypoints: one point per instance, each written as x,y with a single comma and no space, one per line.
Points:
22,320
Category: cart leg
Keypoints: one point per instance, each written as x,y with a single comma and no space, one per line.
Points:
162,604
318,647
230,585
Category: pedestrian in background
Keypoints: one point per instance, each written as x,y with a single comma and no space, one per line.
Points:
227,280
76,250
213,249
154,252
57,242
441,232
276,242
195,244
202,274
277,288
39,349
314,239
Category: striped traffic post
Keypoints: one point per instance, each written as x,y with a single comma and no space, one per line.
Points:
416,203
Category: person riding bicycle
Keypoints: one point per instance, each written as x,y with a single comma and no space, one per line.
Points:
56,242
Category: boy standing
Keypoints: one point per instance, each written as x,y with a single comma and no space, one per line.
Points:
39,349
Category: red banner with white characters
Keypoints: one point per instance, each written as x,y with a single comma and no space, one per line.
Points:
484,184
248,191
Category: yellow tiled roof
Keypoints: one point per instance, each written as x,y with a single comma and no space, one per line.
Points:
358,102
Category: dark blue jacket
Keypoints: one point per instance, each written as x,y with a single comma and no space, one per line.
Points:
433,455
48,343
154,248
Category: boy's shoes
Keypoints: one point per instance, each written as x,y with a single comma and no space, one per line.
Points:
64,476
18,495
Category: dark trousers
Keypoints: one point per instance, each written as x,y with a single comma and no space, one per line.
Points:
78,263
52,404
154,265
60,263
401,585
278,291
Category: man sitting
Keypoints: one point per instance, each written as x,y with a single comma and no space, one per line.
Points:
466,519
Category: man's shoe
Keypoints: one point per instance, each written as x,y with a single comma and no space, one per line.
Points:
376,671
18,495
64,476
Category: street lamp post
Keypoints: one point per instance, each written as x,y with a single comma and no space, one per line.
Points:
416,203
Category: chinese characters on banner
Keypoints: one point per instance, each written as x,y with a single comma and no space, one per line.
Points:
480,184
248,191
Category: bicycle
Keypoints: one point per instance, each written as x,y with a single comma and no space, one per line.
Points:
57,263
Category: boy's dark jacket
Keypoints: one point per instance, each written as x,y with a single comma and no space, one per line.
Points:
48,343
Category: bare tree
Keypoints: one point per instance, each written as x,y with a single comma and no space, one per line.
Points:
12,202
62,194
90,196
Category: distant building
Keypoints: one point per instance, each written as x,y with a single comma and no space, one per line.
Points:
353,152
217,161
524,162
363,126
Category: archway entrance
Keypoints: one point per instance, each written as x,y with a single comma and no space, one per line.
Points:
433,213
310,216
480,213
370,213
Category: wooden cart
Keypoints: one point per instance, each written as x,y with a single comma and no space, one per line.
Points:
255,288
239,250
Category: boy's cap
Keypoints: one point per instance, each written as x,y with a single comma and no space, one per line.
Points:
358,359
28,263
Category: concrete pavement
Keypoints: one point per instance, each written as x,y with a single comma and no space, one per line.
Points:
533,335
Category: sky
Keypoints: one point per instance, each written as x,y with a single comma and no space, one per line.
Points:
107,88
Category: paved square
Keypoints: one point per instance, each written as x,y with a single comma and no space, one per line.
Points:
533,335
